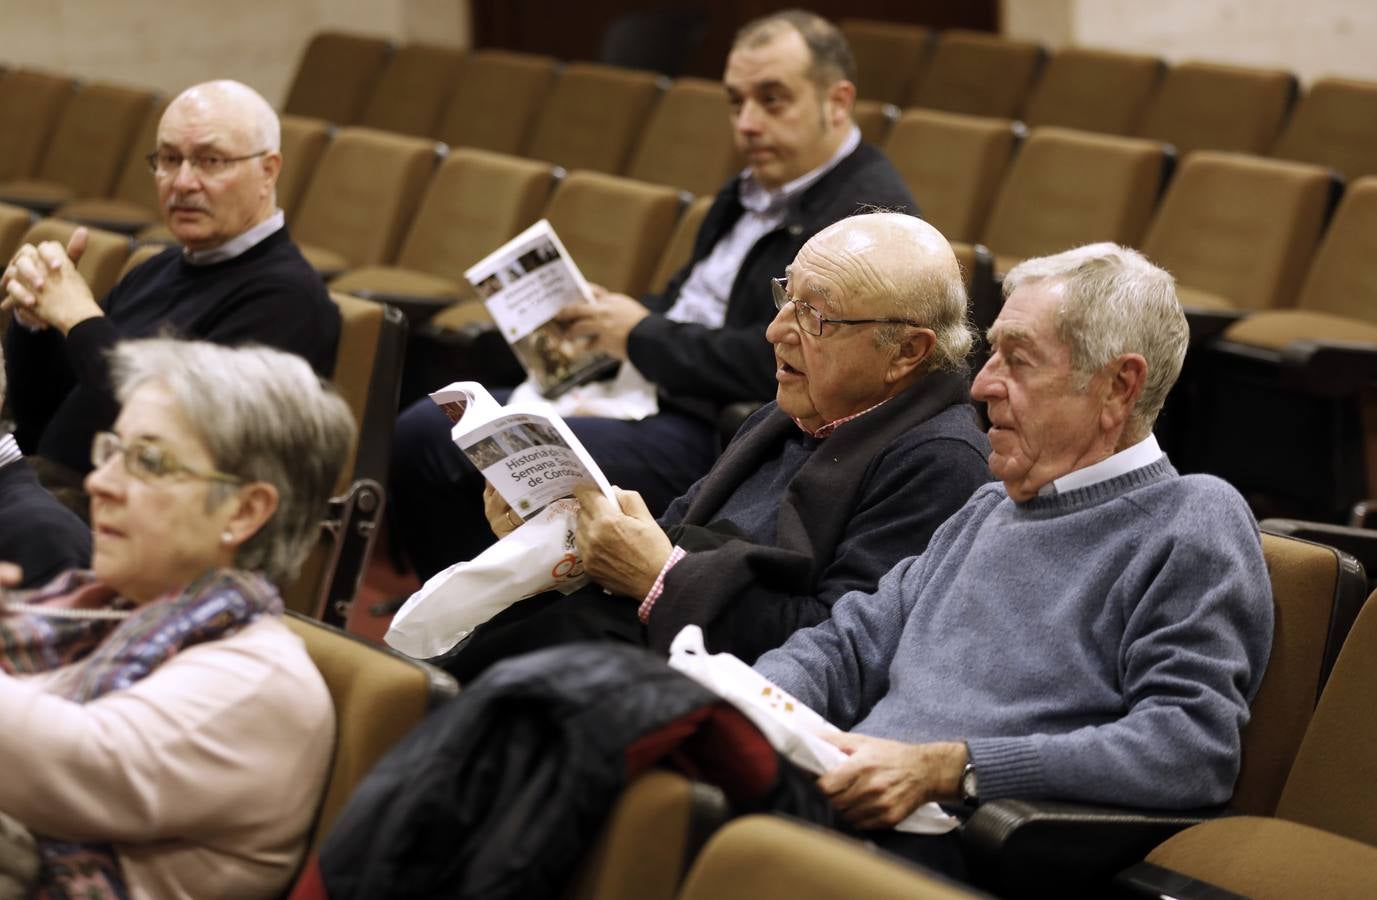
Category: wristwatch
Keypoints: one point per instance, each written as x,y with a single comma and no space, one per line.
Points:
970,790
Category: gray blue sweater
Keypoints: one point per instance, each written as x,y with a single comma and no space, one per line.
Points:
1100,645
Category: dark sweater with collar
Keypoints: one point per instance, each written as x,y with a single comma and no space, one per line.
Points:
1098,645
38,533
60,389
785,524
699,369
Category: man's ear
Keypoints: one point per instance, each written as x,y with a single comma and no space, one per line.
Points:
254,504
1127,376
909,354
272,168
841,97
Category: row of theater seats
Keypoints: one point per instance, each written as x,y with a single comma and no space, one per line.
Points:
588,116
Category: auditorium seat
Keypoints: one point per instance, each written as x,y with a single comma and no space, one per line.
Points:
1093,90
415,85
770,856
889,57
141,254
336,76
1066,188
475,201
1037,848
14,223
105,254
497,96
593,116
303,143
1335,125
361,198
978,73
688,141
1321,839
875,119
953,164
679,249
133,204
1238,231
30,105
1204,106
89,144
1283,404
648,840
614,228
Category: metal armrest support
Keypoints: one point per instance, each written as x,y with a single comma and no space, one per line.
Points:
350,528
1038,848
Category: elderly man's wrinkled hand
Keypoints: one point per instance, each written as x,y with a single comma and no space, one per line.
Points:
608,321
881,781
42,285
622,547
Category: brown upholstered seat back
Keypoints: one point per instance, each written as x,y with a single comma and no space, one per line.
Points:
953,165
1068,188
336,75
593,117
1240,227
977,73
1305,579
303,143
363,194
874,119
614,228
679,249
1203,106
475,201
378,696
92,138
1343,275
1333,783
688,142
30,105
413,89
889,57
1335,125
1093,90
496,98
14,222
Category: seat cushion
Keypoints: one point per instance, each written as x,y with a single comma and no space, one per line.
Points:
1277,328
460,314
396,281
1260,857
1201,299
122,215
326,262
28,190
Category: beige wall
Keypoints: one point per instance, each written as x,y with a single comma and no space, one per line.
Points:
1311,38
167,46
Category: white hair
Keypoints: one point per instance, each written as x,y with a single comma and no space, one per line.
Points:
1114,302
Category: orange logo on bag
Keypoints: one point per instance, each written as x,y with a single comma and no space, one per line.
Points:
570,566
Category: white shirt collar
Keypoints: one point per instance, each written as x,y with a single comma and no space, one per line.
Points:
239,244
9,451
760,199
1144,453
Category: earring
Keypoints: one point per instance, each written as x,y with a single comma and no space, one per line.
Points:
227,537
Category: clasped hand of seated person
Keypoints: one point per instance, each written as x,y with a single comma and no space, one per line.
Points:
622,547
883,781
42,286
608,320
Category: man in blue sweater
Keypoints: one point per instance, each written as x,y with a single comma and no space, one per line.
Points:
1091,629
234,277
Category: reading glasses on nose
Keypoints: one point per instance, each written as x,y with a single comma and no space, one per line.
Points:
811,321
148,461
165,162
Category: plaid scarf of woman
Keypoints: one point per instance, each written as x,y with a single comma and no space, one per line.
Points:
56,629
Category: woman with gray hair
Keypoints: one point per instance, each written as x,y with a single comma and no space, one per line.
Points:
172,734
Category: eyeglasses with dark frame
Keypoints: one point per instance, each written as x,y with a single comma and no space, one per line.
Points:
147,461
812,322
166,162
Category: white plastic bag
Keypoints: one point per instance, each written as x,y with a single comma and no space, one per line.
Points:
539,556
791,727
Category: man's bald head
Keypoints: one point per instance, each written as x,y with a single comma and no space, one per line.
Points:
900,267
237,104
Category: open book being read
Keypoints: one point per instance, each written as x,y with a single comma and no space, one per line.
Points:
524,283
524,449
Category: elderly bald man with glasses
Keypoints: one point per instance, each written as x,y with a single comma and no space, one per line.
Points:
235,276
870,445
